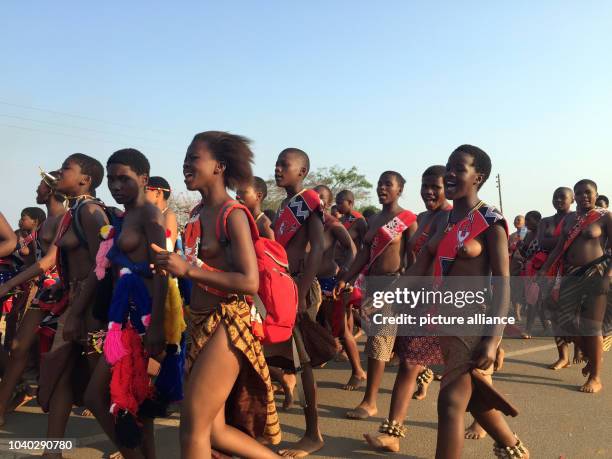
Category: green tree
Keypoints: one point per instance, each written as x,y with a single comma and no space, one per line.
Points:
335,177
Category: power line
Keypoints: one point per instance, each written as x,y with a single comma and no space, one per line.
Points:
50,123
24,128
71,115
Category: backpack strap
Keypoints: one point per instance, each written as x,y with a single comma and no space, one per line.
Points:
78,226
224,213
110,212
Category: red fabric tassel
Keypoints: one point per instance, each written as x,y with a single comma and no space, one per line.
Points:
130,384
114,349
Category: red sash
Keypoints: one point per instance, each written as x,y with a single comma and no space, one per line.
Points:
421,240
350,219
388,233
537,261
424,236
29,238
582,221
475,223
559,227
384,236
291,217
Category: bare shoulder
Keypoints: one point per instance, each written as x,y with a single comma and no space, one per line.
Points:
497,231
151,212
92,213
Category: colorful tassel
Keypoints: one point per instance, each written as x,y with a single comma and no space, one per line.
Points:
174,320
113,344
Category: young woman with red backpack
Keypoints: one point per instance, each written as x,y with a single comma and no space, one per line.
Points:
228,390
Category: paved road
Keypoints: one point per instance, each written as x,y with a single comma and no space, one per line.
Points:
555,421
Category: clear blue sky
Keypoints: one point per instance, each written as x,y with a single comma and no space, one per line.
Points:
379,85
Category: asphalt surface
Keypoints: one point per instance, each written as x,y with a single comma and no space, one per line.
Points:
555,420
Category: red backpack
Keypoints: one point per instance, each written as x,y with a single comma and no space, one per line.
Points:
277,298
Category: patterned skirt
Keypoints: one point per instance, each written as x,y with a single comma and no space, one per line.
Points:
250,406
579,287
419,350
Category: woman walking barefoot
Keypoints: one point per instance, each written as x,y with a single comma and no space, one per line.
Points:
228,390
582,256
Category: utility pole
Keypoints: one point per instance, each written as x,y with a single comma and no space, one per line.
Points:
498,181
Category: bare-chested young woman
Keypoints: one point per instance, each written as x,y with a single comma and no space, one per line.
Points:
298,225
228,390
473,242
549,232
43,271
582,258
130,256
334,263
385,252
65,368
415,353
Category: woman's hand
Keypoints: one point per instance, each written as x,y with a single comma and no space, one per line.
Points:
169,262
484,354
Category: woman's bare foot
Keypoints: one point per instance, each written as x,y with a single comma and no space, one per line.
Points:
559,364
84,412
355,382
362,411
592,386
115,455
288,383
499,359
475,432
305,447
578,355
424,379
384,442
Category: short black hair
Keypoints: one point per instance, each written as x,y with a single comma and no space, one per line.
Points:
564,188
482,161
537,216
586,182
159,182
233,151
259,185
401,180
132,158
434,171
345,195
35,213
604,198
302,155
326,188
89,166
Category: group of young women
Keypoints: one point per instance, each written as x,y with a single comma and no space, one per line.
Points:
104,301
